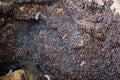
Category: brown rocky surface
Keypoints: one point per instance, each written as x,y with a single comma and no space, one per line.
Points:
62,39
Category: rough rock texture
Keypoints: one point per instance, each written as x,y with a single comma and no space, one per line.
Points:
65,39
16,75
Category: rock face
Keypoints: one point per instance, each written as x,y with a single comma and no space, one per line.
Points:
67,39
